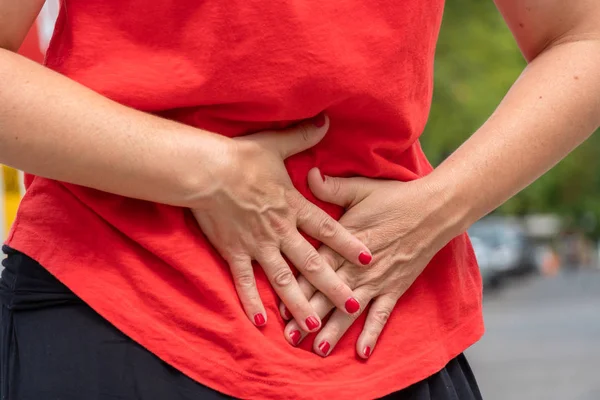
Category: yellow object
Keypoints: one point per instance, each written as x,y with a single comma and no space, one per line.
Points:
11,193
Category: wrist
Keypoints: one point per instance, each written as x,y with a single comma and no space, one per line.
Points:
205,165
450,210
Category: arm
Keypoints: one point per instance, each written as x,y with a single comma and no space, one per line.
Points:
54,127
553,107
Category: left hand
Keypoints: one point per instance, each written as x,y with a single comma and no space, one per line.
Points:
400,223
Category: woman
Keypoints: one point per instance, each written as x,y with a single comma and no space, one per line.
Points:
158,134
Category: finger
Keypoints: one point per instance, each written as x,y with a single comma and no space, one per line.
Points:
245,285
283,281
307,290
377,317
338,324
318,224
314,268
322,306
344,192
332,259
293,333
295,139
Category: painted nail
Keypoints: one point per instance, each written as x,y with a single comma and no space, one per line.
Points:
295,337
364,258
322,175
259,319
286,313
367,351
352,305
324,347
319,120
312,323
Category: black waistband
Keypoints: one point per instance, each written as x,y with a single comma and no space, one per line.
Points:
25,284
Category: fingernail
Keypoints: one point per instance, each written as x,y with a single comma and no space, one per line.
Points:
319,120
295,337
324,347
367,351
352,305
286,313
364,258
312,323
259,319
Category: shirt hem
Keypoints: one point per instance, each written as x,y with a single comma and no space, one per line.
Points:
454,343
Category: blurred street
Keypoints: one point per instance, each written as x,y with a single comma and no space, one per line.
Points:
542,339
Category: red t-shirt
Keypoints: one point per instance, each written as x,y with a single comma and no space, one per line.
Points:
236,67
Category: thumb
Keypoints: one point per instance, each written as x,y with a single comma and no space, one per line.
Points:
296,139
344,192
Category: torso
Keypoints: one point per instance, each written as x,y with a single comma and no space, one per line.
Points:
234,68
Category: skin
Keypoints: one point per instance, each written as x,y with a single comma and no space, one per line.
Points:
552,108
54,127
549,111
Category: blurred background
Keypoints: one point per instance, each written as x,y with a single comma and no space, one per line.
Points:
539,253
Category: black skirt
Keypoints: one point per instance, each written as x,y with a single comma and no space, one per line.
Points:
54,347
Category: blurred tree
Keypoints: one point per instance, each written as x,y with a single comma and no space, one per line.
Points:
477,61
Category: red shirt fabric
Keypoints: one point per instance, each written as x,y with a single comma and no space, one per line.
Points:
237,67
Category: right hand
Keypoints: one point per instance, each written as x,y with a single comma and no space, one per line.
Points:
253,212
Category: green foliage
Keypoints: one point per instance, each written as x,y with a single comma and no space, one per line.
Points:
477,61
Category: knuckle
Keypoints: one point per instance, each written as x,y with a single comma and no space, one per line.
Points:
305,132
313,263
381,316
327,228
280,225
245,280
336,186
235,257
295,200
283,277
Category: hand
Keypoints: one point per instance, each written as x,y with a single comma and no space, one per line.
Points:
399,222
253,212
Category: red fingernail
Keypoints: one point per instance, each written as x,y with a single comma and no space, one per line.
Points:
324,347
322,175
312,323
295,336
364,258
367,351
352,305
286,313
259,319
319,120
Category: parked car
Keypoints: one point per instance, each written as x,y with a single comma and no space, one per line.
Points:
509,250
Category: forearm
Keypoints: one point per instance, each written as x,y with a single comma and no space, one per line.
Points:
552,108
54,127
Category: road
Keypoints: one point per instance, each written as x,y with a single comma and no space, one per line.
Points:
542,339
